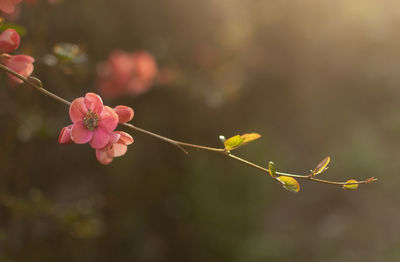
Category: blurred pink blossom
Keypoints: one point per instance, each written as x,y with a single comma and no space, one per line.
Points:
22,64
117,146
8,6
92,121
9,40
14,16
127,73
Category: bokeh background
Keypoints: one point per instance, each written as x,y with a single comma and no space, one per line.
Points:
315,78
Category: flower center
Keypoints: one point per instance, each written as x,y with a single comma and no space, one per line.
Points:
90,120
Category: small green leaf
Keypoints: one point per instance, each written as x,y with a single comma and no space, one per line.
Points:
233,142
240,140
349,184
272,169
247,138
289,183
322,166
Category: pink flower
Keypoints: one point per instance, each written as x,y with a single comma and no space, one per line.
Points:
8,6
9,41
127,73
117,146
125,113
92,122
65,135
21,64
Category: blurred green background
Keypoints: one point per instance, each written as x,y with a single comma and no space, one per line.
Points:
315,78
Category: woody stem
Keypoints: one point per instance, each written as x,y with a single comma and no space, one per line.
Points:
37,84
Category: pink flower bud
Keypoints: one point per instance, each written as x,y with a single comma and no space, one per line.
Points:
125,113
9,41
65,135
8,6
22,64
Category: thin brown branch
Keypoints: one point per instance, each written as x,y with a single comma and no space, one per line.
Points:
36,83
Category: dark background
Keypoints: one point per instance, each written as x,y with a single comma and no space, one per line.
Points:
315,78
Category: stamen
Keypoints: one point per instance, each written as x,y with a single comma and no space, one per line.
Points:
90,120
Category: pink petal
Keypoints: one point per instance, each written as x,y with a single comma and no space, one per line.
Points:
104,156
114,137
94,103
108,119
119,149
65,135
125,138
100,139
125,113
9,40
80,134
77,110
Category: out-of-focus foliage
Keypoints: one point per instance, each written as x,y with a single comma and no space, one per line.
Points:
313,77
20,29
67,52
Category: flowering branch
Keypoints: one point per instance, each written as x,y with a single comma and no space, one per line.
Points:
285,179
